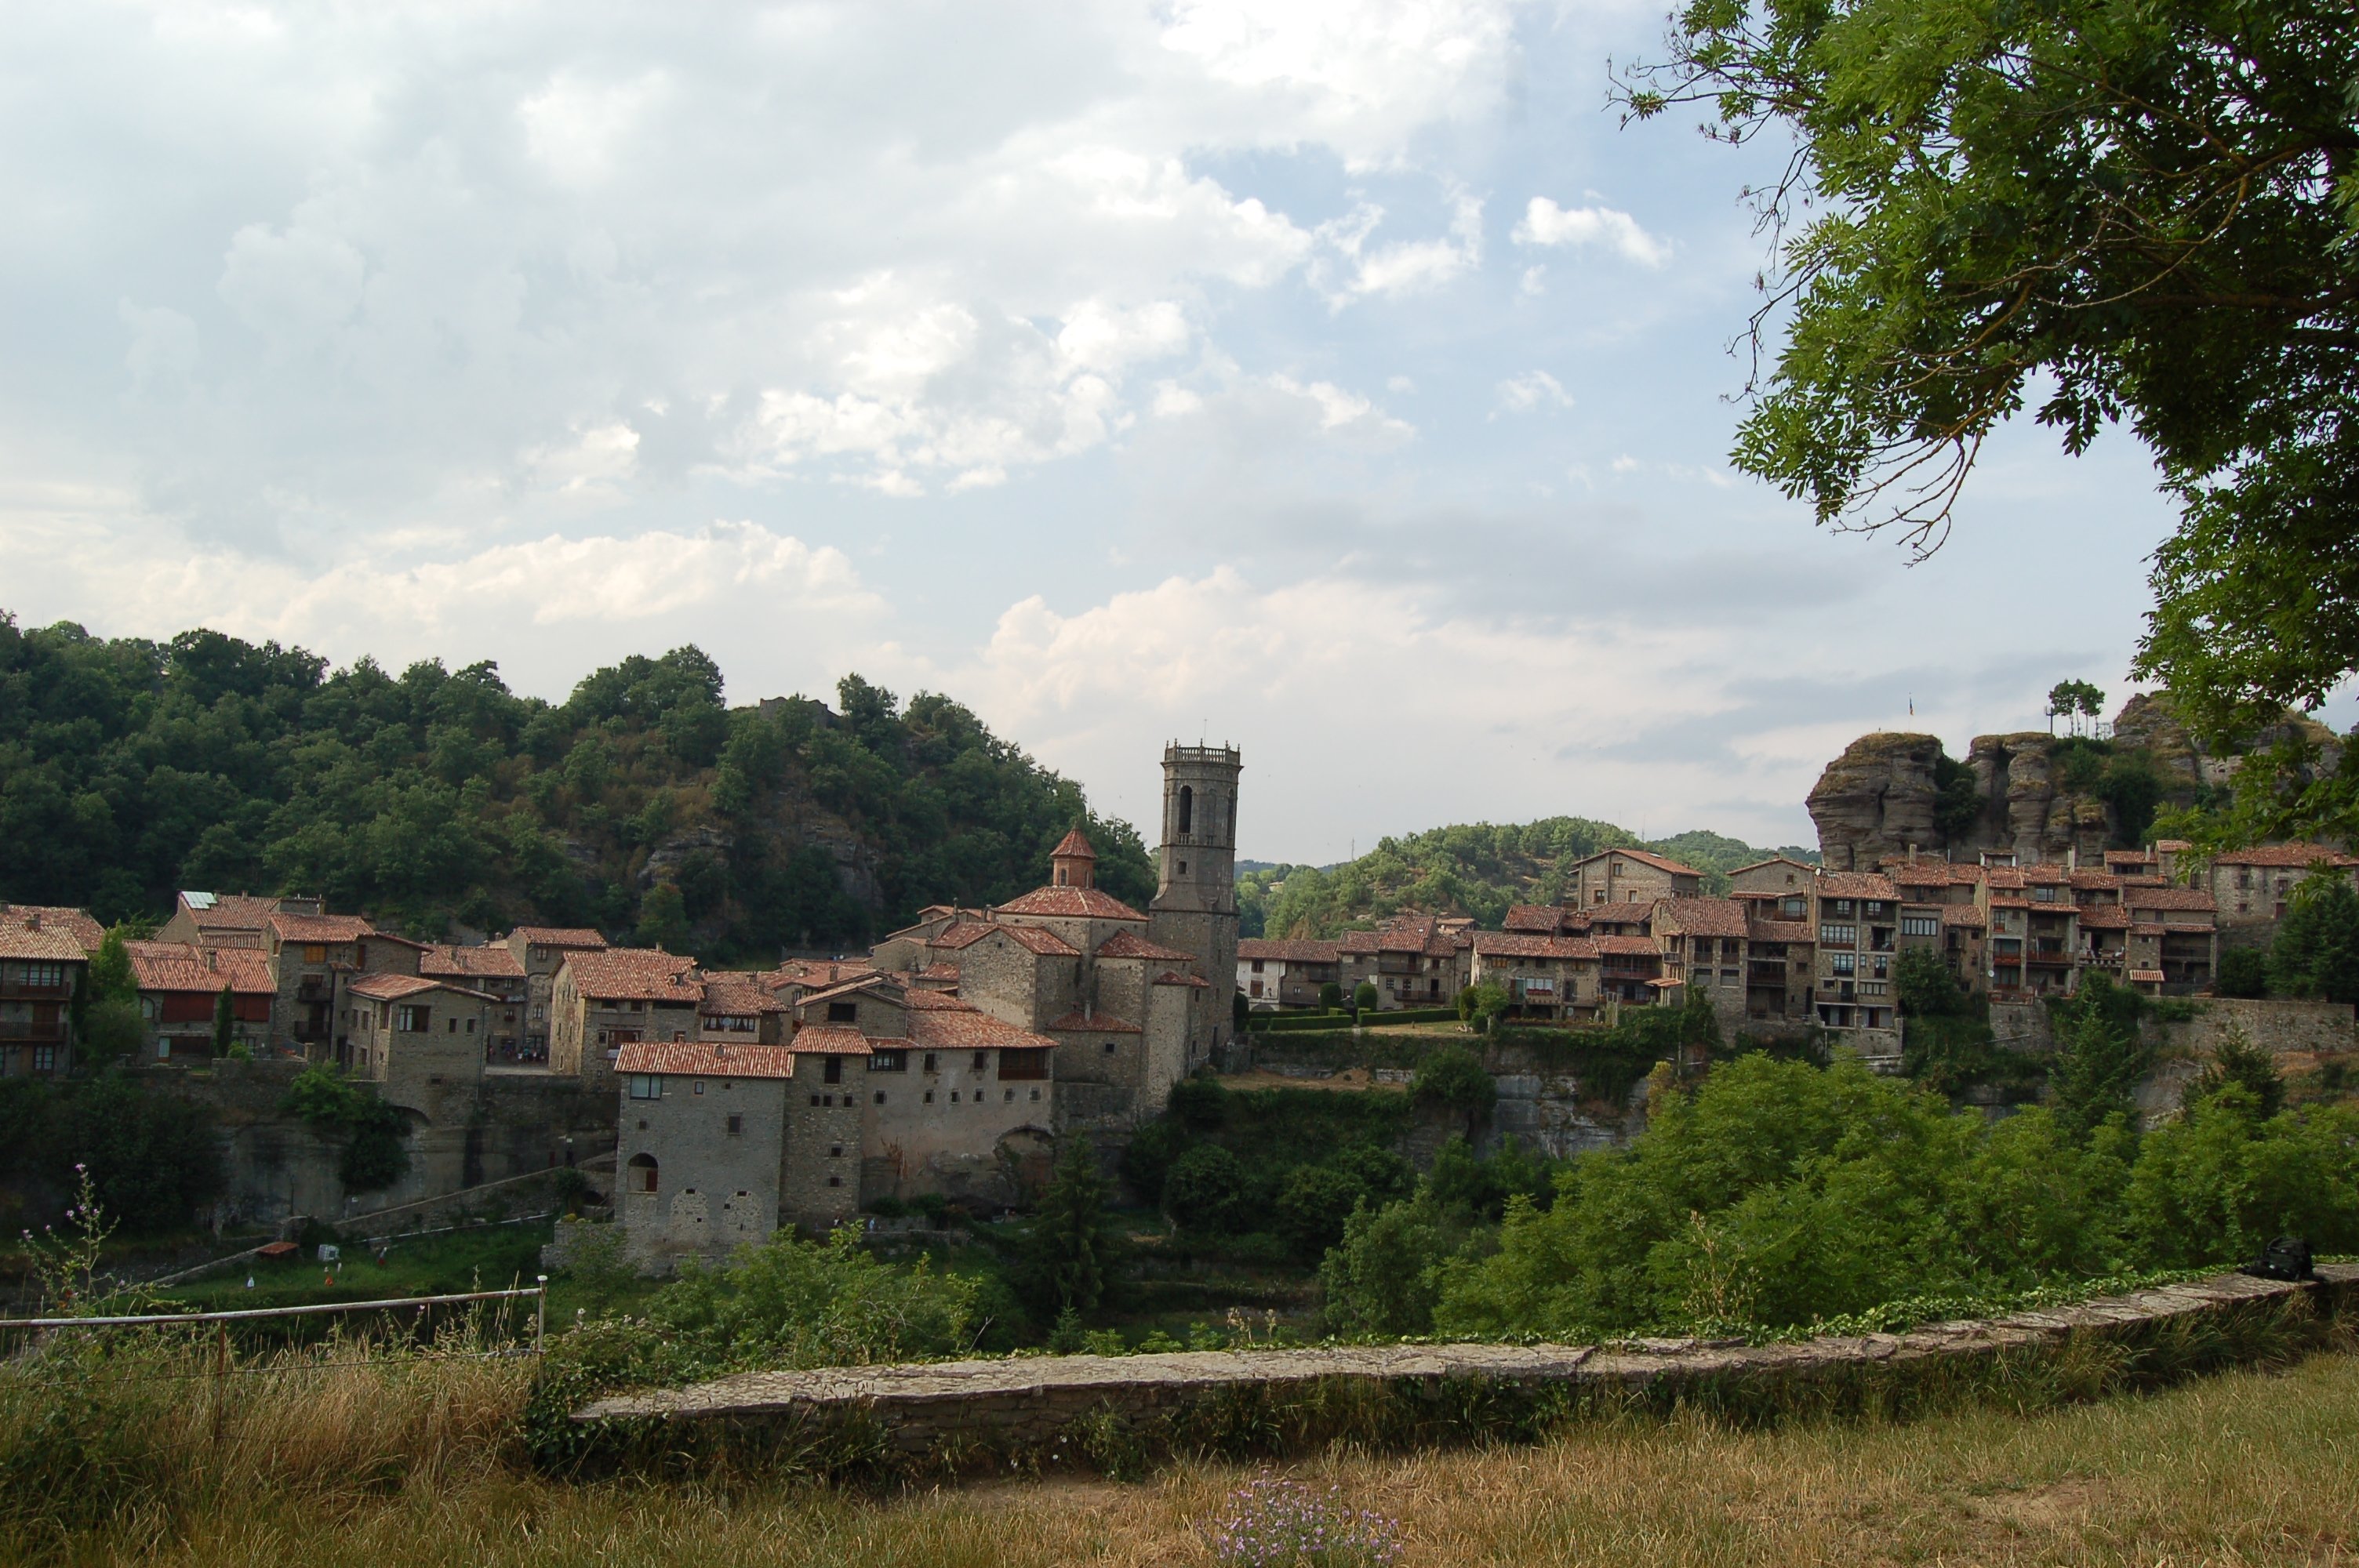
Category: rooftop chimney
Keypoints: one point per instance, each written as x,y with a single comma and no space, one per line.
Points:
32,920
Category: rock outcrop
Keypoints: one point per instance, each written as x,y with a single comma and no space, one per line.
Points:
1877,799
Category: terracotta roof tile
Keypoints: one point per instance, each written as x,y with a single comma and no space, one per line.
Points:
1071,903
1547,919
2291,856
185,966
706,1059
1964,916
1296,950
320,927
1168,978
232,912
828,1040
968,1030
1857,884
1645,857
43,945
75,923
1780,931
731,994
489,963
2103,920
2003,877
936,1001
393,988
1130,944
559,936
1073,846
1525,945
2096,881
2142,898
1704,917
2146,928
1628,947
635,974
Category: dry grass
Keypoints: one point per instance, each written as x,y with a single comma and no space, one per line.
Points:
2240,1469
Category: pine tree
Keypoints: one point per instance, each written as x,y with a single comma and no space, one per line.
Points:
225,1023
1067,1237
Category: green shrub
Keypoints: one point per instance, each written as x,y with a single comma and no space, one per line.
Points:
1199,1103
376,1153
1330,997
1364,998
1453,1077
1150,1153
2245,972
1312,1205
1207,1189
1385,1276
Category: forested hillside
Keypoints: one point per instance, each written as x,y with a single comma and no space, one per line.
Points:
642,804
1476,870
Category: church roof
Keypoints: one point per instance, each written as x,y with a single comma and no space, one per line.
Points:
1083,902
1073,847
1131,944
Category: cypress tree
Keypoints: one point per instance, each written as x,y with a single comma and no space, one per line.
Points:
225,1023
1069,1246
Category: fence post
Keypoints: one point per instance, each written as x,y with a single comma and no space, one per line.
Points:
540,1314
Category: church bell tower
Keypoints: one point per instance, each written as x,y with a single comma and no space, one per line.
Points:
1195,907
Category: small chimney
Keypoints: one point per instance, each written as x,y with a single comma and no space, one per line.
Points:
32,920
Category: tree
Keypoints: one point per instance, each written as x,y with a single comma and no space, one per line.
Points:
1206,1189
2316,953
2245,972
1313,1203
1452,1077
1240,1012
2074,700
1331,997
1068,1236
1481,1005
1924,986
1385,1275
2145,214
663,919
224,1023
1364,998
2097,1063
111,976
2236,1060
112,1031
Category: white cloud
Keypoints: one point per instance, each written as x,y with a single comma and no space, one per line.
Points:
1338,409
1358,270
1533,389
1546,224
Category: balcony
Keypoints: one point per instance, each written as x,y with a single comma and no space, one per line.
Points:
33,1032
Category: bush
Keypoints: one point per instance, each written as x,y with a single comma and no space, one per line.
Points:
790,1302
1364,998
1148,1157
1312,1205
2245,972
112,1032
375,1155
2316,953
1452,1077
1200,1104
1330,997
154,1158
1206,1189
1385,1276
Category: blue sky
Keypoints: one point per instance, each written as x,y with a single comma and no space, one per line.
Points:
1339,380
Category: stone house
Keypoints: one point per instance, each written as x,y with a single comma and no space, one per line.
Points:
1411,960
419,1040
1858,937
181,984
1703,942
41,963
700,1151
1274,973
87,933
494,969
1629,969
604,998
1545,977
313,957
540,951
2174,939
1631,876
1780,965
227,920
2251,888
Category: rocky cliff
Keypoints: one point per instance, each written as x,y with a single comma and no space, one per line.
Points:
2029,794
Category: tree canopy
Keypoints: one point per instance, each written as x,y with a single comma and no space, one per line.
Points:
130,768
2143,213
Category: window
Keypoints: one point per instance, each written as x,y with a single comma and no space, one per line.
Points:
643,1172
1036,1094
1257,966
835,1150
454,1027
933,1062
835,1181
41,977
2043,894
1790,908
314,953
832,1073
843,1013
1838,935
1844,963
470,1026
880,1096
736,1127
889,1061
981,1060
412,1019
1920,926
1187,808
45,1058
647,1085
699,1085
538,1012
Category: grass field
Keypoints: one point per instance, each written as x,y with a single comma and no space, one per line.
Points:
413,1468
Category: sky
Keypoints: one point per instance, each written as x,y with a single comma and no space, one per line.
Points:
1342,381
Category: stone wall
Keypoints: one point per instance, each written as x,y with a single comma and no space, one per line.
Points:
989,1408
2296,1028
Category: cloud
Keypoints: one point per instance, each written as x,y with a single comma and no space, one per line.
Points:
1533,389
1358,270
1546,224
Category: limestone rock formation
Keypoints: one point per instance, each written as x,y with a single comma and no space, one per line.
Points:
1877,799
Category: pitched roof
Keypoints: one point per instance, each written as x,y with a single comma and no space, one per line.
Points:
1780,931
2103,920
1073,846
2296,855
968,1030
1095,1022
1856,884
1704,917
877,981
2046,873
706,1059
635,974
393,988
1547,919
828,1040
1962,914
1292,950
939,1001
1526,945
2003,877
75,923
2147,976
2095,881
1645,857
1131,944
736,994
810,972
1168,978
1772,861
185,966
2168,898
559,936
320,927
1036,939
230,911
488,963
1072,902
45,945
1628,947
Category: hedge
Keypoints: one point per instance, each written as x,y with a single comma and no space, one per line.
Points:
1282,1022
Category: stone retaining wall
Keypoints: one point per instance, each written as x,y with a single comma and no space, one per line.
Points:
1009,1404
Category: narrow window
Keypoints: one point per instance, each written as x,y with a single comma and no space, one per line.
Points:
833,1072
1186,807
736,1127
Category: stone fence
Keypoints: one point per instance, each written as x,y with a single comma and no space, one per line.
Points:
1028,1403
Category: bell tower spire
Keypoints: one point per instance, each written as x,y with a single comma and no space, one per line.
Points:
1195,907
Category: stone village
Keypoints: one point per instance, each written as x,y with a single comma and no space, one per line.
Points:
951,1059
